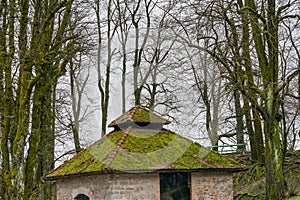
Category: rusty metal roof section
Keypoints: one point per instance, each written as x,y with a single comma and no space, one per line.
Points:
137,149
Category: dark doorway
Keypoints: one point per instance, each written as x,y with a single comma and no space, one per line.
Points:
175,186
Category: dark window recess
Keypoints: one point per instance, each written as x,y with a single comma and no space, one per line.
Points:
175,186
82,197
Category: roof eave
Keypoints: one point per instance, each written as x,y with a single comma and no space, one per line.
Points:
231,170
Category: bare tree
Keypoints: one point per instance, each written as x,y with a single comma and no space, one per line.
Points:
262,32
104,75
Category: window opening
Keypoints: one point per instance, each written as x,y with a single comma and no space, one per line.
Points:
175,186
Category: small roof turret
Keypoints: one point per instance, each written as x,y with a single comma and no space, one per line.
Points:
139,116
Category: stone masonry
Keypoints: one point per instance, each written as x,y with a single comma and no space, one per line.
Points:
110,187
139,186
211,186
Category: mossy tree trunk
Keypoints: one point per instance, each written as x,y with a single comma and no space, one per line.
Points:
50,67
239,120
237,74
269,66
29,114
253,122
6,91
23,96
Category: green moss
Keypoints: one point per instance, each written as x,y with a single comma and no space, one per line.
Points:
173,147
144,150
149,141
140,114
217,160
190,159
114,137
78,164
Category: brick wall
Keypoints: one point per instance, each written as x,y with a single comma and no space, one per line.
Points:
110,187
211,186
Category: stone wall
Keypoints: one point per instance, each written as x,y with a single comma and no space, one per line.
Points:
204,186
211,186
110,187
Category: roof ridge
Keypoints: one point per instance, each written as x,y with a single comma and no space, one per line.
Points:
133,112
114,153
122,139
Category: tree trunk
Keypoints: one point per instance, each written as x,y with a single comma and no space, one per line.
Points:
273,162
76,103
6,94
258,134
239,121
6,119
137,96
256,138
104,90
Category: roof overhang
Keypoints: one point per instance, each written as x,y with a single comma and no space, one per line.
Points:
223,170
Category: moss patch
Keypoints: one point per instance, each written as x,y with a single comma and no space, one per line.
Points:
191,159
160,155
139,114
144,150
145,142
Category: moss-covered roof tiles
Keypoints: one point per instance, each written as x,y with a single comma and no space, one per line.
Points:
139,114
133,150
136,147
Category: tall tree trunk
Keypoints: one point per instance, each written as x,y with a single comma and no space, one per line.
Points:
258,134
124,36
123,83
138,83
6,93
47,143
274,156
17,171
40,157
104,90
274,161
239,120
6,119
256,138
76,103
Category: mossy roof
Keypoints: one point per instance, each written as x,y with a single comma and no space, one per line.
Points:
137,150
139,114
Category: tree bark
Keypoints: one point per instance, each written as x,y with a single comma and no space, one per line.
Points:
6,92
239,121
256,138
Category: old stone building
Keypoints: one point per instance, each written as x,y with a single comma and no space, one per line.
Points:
140,159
